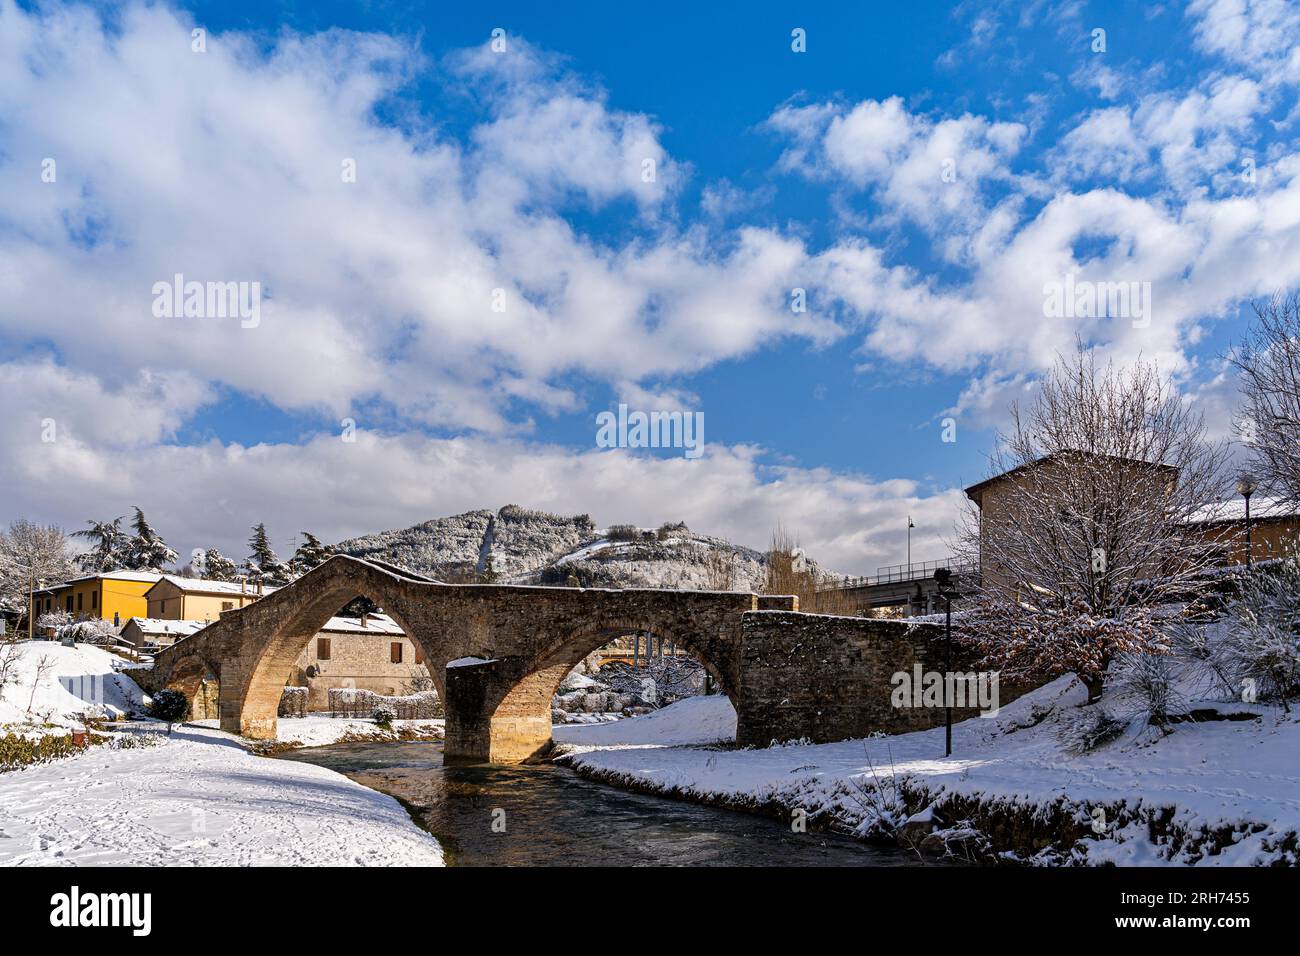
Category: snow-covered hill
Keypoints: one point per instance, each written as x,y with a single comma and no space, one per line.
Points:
520,546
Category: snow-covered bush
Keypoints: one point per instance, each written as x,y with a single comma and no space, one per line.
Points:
53,620
1262,641
354,702
1147,685
89,631
293,702
383,715
1091,730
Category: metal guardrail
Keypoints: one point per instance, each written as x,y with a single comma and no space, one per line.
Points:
899,573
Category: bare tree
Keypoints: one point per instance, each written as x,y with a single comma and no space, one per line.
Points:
30,554
1083,555
1269,420
44,665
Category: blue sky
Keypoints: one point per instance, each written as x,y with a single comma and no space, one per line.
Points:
921,171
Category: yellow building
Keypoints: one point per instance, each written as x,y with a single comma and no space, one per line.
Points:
115,596
174,598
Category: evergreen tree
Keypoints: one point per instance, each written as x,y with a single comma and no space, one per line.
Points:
263,565
309,554
109,544
218,567
147,551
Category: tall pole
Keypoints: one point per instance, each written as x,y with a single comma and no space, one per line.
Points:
1249,550
31,604
909,545
947,676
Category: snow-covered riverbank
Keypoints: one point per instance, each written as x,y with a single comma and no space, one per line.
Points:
1230,786
196,798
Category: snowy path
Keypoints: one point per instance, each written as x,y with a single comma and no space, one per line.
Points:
200,799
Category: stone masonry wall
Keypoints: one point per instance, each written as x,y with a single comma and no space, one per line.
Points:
828,678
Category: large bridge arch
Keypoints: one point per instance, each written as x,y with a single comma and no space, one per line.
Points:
287,626
517,707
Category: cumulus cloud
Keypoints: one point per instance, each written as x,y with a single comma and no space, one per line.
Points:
208,495
932,171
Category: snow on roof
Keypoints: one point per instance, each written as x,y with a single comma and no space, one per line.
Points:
112,575
469,661
374,624
155,625
1235,510
208,586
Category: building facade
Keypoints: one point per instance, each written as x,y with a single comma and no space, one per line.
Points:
174,598
367,653
115,596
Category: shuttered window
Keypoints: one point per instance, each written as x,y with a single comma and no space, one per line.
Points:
322,648
395,652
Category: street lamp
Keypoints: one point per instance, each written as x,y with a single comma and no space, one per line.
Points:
910,526
943,578
1246,486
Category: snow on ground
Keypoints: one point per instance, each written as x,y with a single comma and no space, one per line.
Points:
1213,772
317,731
695,720
197,798
200,799
81,679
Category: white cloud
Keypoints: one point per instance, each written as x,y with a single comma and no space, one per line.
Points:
205,495
228,166
932,171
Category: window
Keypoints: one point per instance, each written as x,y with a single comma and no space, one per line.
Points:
395,652
419,656
94,600
322,648
80,599
227,605
68,602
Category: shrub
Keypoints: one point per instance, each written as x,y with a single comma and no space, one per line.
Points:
170,706
623,532
1093,729
383,715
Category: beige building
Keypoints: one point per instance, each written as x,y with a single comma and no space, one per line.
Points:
1273,528
175,598
367,653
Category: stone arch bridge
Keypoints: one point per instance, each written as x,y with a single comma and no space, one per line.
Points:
497,654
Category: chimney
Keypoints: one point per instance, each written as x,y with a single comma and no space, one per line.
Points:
365,619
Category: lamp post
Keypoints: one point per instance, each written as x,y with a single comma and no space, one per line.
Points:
1246,486
910,526
943,578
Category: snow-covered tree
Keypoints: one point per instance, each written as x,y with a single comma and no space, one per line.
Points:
1269,422
218,567
309,554
1263,638
108,546
146,550
263,565
91,630
1091,541
31,553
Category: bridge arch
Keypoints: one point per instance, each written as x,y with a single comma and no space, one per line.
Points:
290,626
518,709
200,681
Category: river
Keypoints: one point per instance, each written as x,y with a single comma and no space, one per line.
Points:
553,817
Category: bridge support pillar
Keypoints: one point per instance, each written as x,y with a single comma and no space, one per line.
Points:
486,723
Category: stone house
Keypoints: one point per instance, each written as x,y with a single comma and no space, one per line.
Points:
367,653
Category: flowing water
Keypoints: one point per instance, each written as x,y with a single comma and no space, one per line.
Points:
553,817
